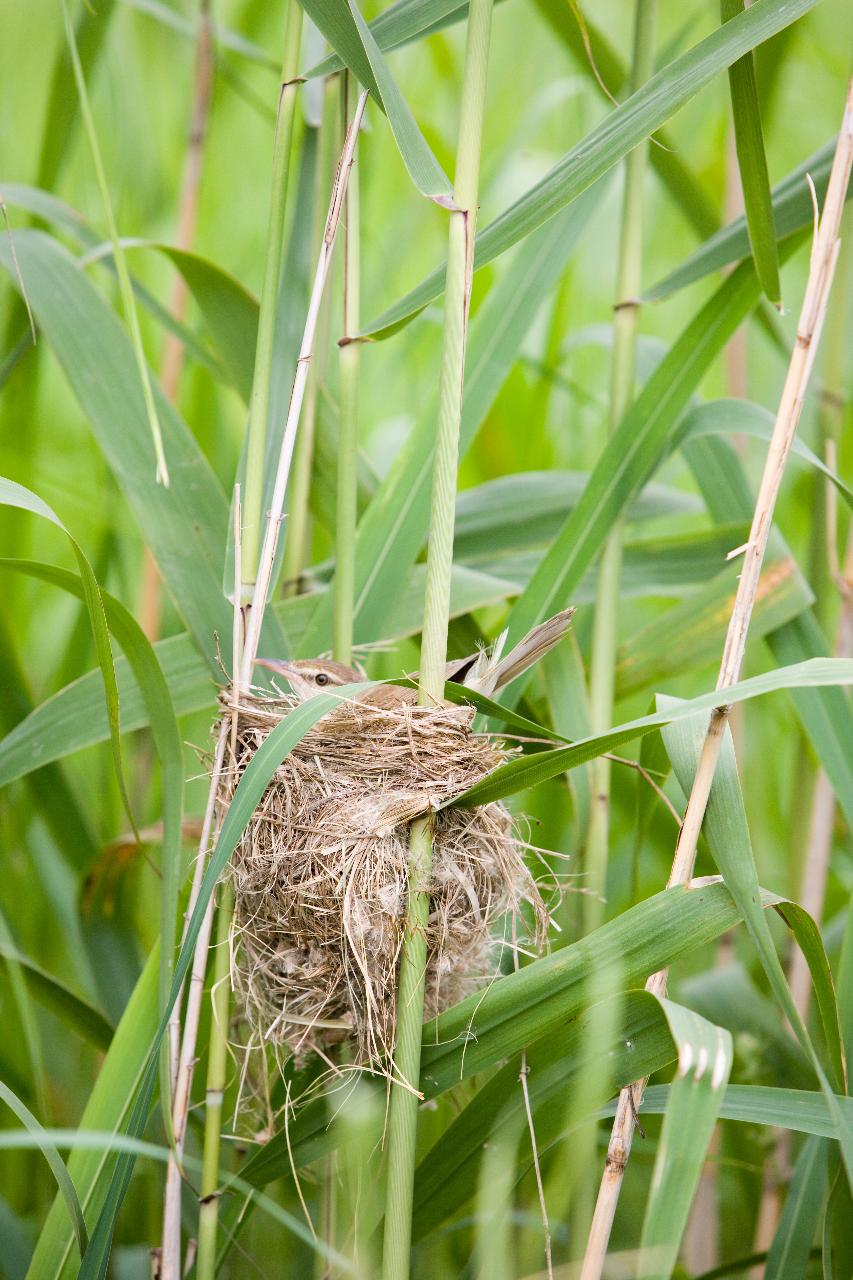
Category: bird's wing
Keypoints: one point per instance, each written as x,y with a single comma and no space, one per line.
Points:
529,650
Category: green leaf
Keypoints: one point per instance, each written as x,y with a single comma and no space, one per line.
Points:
752,163
799,1110
743,417
704,1063
787,1258
691,634
518,774
167,741
825,713
350,36
399,24
184,525
392,531
604,146
664,157
726,829
447,1174
631,455
793,211
538,1004
15,495
54,1160
75,1012
106,1110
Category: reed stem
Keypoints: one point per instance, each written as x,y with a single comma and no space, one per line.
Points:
622,384
350,357
403,1109
259,403
216,1068
824,257
296,545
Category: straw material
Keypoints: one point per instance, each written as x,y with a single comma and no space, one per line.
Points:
320,876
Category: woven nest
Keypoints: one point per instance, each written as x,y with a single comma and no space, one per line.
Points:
320,876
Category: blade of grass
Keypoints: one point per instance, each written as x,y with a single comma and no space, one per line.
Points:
626,126
128,304
55,1162
350,36
793,211
752,162
71,1009
704,1063
183,525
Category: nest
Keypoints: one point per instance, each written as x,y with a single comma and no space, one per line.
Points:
320,876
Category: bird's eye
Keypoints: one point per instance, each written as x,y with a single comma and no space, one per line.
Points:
321,678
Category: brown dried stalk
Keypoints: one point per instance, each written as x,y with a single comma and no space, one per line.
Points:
823,259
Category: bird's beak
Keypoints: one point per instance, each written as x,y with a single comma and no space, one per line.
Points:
280,668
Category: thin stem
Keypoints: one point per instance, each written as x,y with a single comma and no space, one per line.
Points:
347,490
259,402
622,383
297,395
403,1113
823,260
298,507
170,1258
214,1096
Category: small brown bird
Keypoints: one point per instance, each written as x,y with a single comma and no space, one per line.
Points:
484,672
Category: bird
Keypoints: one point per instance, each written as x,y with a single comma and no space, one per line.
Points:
485,671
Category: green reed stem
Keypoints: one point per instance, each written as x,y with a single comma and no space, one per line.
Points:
622,382
217,1063
259,403
403,1110
347,480
298,514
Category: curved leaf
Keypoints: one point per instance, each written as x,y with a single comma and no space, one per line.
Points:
626,126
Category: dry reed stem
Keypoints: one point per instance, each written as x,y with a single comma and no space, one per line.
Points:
170,1261
822,265
265,567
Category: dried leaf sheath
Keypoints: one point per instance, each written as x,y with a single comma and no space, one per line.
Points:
320,877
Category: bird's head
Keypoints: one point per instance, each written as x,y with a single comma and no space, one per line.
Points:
308,676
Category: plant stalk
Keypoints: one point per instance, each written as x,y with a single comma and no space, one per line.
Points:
263,578
214,1096
347,480
298,508
622,384
822,266
403,1106
259,402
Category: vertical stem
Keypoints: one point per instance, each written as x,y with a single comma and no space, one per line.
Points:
347,491
403,1113
298,508
150,603
260,398
216,1068
824,257
622,380
263,578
